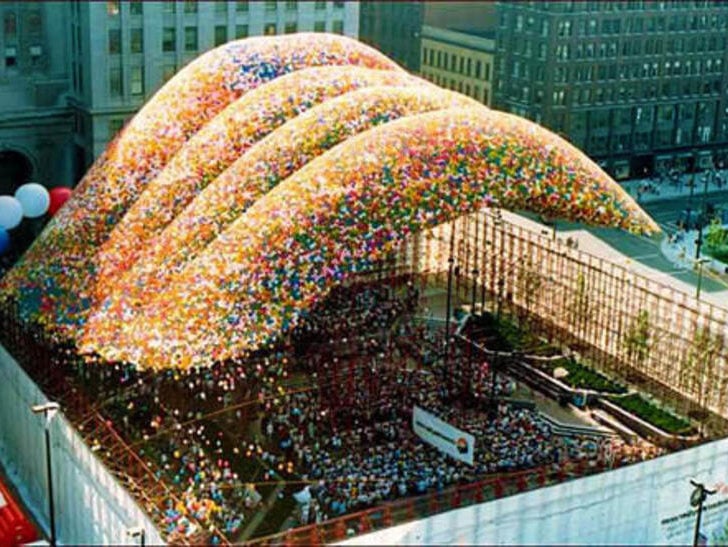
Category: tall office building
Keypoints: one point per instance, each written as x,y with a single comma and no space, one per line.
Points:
640,86
35,124
74,72
395,29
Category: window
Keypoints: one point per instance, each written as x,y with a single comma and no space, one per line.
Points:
269,29
168,71
190,38
136,40
10,27
271,5
320,5
220,34
478,68
241,31
338,4
169,7
11,56
114,41
137,80
169,39
190,6
136,7
486,76
291,28
112,8
115,89
220,7
319,26
291,5
337,27
240,7
35,52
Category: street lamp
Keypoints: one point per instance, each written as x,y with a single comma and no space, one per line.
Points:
697,498
699,263
701,221
49,410
137,532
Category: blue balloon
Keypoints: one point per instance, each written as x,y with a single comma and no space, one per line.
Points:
4,241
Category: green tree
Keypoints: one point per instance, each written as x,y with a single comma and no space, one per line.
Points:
637,339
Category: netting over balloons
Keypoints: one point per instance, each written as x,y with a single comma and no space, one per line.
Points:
288,192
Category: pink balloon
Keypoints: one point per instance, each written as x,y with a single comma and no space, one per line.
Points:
59,196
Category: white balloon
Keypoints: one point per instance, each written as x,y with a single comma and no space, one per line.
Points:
34,198
11,212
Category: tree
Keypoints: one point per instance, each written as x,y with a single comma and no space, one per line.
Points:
637,339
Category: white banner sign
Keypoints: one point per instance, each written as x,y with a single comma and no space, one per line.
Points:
443,436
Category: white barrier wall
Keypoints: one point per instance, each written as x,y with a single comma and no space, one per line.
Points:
643,504
91,507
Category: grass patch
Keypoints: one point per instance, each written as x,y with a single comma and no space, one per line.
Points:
653,414
583,377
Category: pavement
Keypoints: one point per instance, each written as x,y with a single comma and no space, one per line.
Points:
657,257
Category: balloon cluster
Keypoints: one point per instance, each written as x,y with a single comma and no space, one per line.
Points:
31,200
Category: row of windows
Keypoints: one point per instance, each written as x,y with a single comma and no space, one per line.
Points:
643,140
136,7
627,71
191,35
632,25
631,92
456,63
459,86
620,5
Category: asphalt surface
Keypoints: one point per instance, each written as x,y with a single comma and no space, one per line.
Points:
647,250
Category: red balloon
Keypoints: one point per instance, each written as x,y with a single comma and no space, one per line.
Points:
59,196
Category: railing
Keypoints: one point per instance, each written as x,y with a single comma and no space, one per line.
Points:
399,512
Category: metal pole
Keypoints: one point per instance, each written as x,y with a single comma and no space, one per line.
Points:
696,536
143,537
50,483
700,280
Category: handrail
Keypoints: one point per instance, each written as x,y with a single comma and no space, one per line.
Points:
400,511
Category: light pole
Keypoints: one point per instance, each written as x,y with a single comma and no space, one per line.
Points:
49,410
699,263
697,498
137,532
699,241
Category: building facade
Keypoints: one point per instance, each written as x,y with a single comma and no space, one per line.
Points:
74,72
36,126
640,86
395,29
457,60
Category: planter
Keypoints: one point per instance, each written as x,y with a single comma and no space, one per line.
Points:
646,429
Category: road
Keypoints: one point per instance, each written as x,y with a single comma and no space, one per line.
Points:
647,250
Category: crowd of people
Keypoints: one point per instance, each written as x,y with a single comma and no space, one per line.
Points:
332,409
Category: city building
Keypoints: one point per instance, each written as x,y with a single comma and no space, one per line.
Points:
459,60
74,72
36,126
395,29
640,86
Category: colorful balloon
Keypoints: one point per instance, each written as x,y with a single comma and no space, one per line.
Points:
11,212
59,196
34,199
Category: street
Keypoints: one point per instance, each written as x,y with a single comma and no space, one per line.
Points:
647,250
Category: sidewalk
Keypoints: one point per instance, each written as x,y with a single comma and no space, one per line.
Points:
667,189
